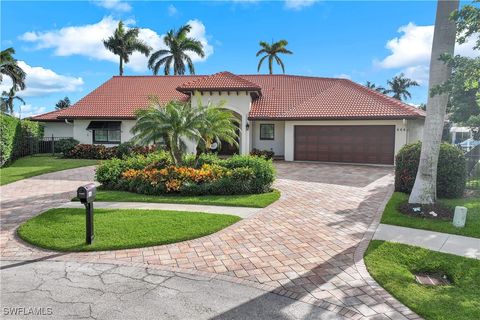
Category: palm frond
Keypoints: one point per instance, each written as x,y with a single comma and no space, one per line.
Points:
260,62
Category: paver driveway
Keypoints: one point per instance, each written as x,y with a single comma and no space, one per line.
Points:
304,246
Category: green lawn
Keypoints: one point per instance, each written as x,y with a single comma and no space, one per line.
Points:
30,166
64,229
392,265
245,200
391,215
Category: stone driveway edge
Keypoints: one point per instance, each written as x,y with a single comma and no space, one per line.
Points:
362,268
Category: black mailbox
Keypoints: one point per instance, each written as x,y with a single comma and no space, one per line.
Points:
87,193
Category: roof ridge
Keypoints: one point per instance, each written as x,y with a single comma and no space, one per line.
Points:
201,83
290,76
160,76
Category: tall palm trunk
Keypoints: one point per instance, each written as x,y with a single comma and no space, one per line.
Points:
425,188
121,66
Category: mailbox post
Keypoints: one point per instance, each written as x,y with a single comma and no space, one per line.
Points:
86,194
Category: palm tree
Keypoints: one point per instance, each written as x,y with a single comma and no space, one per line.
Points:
178,46
373,86
399,87
425,187
175,120
271,52
10,68
123,43
8,99
63,104
218,124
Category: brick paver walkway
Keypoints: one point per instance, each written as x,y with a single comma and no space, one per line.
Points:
307,246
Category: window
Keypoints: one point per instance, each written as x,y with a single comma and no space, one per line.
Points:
267,132
105,131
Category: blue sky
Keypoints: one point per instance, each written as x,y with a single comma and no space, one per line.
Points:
59,43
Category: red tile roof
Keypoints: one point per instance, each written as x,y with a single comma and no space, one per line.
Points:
312,98
282,97
222,80
120,97
51,116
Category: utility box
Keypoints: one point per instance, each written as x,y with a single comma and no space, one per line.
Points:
460,217
86,194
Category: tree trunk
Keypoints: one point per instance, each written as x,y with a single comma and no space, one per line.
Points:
121,66
425,188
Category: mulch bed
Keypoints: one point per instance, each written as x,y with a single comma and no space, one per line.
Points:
425,211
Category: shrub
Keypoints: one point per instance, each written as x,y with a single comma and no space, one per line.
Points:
32,128
129,148
263,171
92,151
267,154
451,172
109,172
204,158
155,174
15,137
64,146
10,129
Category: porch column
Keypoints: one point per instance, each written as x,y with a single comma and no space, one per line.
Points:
244,135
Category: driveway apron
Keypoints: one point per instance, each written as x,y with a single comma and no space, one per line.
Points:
307,246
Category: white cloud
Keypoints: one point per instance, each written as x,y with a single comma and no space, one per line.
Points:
86,40
411,51
344,76
116,5
172,10
41,82
413,47
25,111
418,73
298,4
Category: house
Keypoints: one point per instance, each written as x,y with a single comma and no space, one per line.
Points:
300,118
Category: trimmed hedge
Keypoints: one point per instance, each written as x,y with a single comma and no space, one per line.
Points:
10,129
14,137
101,152
451,172
155,174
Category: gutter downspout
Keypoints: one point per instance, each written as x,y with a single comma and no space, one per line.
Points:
70,123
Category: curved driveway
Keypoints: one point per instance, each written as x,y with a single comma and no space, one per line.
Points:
307,246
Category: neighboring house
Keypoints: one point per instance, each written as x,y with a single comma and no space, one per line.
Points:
469,144
460,134
297,117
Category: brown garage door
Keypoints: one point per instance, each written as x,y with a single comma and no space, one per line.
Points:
356,144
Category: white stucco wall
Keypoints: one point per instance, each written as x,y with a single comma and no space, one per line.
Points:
415,130
57,129
277,145
240,103
400,131
81,134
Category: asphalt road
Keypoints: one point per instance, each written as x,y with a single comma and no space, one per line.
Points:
71,290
